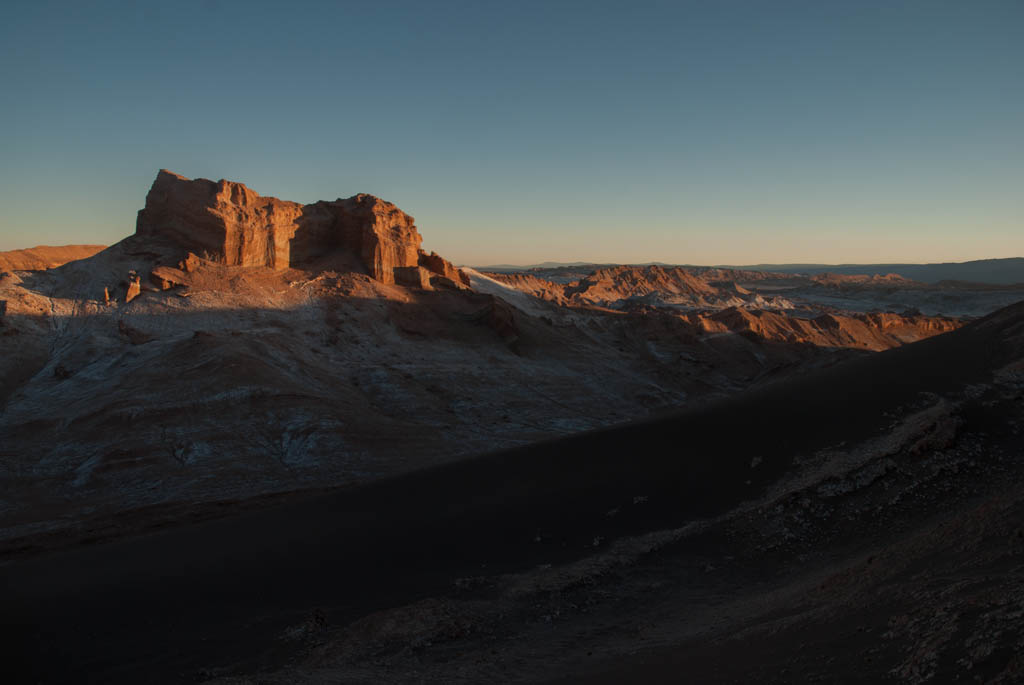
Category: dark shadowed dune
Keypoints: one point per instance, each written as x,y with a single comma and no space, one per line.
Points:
165,606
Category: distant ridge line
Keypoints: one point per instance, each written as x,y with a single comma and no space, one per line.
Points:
1001,271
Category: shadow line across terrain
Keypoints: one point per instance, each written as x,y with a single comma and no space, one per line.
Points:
167,605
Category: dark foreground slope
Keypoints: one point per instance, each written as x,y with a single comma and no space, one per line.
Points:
781,486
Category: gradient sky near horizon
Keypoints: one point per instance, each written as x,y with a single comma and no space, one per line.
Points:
717,132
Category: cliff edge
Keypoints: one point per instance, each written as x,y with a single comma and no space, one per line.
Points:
230,223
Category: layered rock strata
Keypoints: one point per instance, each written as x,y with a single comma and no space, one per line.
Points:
231,224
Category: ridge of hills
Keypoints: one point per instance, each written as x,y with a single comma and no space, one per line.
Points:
1002,271
802,296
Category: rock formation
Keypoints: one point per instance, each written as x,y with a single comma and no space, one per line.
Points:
414,276
875,331
165,277
629,281
615,286
134,287
443,268
713,302
229,223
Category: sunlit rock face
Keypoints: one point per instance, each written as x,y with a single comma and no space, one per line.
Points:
232,224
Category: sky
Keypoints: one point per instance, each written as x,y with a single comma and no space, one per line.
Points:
716,132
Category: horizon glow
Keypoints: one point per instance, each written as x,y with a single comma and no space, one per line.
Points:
692,133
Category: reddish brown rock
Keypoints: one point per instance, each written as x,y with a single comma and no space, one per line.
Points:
623,282
437,281
134,287
233,225
442,267
165,277
413,276
528,283
877,331
859,280
190,263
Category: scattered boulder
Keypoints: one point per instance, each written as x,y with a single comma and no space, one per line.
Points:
134,287
444,282
413,276
442,267
165,277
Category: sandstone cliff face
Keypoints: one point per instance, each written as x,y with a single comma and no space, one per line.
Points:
224,220
232,224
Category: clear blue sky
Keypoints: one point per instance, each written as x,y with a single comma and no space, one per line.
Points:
516,132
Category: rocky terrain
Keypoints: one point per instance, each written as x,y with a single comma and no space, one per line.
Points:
1003,271
862,522
239,345
1008,271
429,473
798,295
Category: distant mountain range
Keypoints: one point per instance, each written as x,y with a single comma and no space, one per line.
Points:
997,271
1001,271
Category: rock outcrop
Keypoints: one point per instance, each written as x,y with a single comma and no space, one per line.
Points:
166,277
231,224
413,276
875,331
621,285
624,282
443,268
134,287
